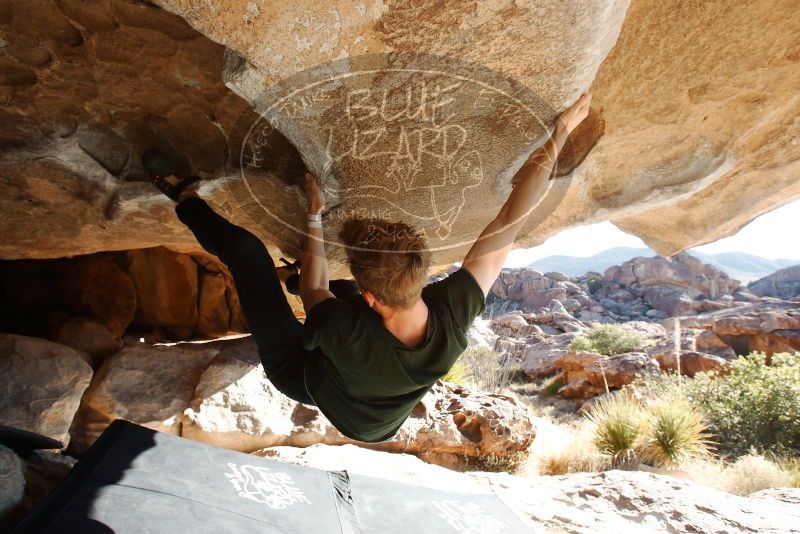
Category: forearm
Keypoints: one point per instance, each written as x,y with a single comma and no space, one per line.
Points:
489,253
533,183
314,273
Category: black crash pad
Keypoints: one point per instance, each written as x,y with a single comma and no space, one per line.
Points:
15,438
136,480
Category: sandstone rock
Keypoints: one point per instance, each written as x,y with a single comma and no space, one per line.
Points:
782,284
669,300
646,329
107,147
540,357
626,501
611,501
542,298
588,373
43,471
98,286
88,336
42,384
121,83
12,487
166,287
481,333
757,322
581,388
692,363
151,386
235,406
558,277
513,324
213,315
708,342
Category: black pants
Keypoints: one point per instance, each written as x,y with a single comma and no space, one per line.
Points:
274,327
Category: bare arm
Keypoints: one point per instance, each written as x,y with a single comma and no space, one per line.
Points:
314,272
490,251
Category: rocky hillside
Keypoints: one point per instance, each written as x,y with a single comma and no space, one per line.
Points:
533,318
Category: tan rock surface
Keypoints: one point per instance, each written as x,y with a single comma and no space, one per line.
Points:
587,373
691,363
166,287
678,124
148,385
41,384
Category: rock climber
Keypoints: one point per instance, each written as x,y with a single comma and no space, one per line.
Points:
369,350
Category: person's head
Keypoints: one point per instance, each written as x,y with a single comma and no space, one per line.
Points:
389,261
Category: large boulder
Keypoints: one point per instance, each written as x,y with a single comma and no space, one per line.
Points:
149,385
782,284
166,287
587,373
88,336
682,270
235,406
540,357
12,487
42,383
691,362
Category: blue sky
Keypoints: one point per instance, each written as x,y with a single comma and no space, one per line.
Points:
773,235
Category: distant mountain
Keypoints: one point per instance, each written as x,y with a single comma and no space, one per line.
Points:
739,265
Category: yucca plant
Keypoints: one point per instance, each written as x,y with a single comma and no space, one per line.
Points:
672,434
617,422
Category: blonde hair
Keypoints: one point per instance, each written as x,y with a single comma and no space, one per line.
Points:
390,260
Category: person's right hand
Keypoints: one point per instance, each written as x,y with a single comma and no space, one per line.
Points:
314,194
575,114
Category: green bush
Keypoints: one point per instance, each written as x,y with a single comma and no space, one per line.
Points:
593,282
608,339
753,406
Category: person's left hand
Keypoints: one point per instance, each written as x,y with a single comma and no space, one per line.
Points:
316,199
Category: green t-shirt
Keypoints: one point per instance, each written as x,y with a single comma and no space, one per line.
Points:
364,379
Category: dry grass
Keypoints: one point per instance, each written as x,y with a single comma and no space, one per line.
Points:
560,449
748,474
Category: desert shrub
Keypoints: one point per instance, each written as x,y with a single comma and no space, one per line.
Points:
458,374
666,433
792,466
673,433
753,406
608,340
486,371
617,423
750,473
593,282
551,386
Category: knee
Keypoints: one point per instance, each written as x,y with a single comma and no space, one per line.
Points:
244,244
